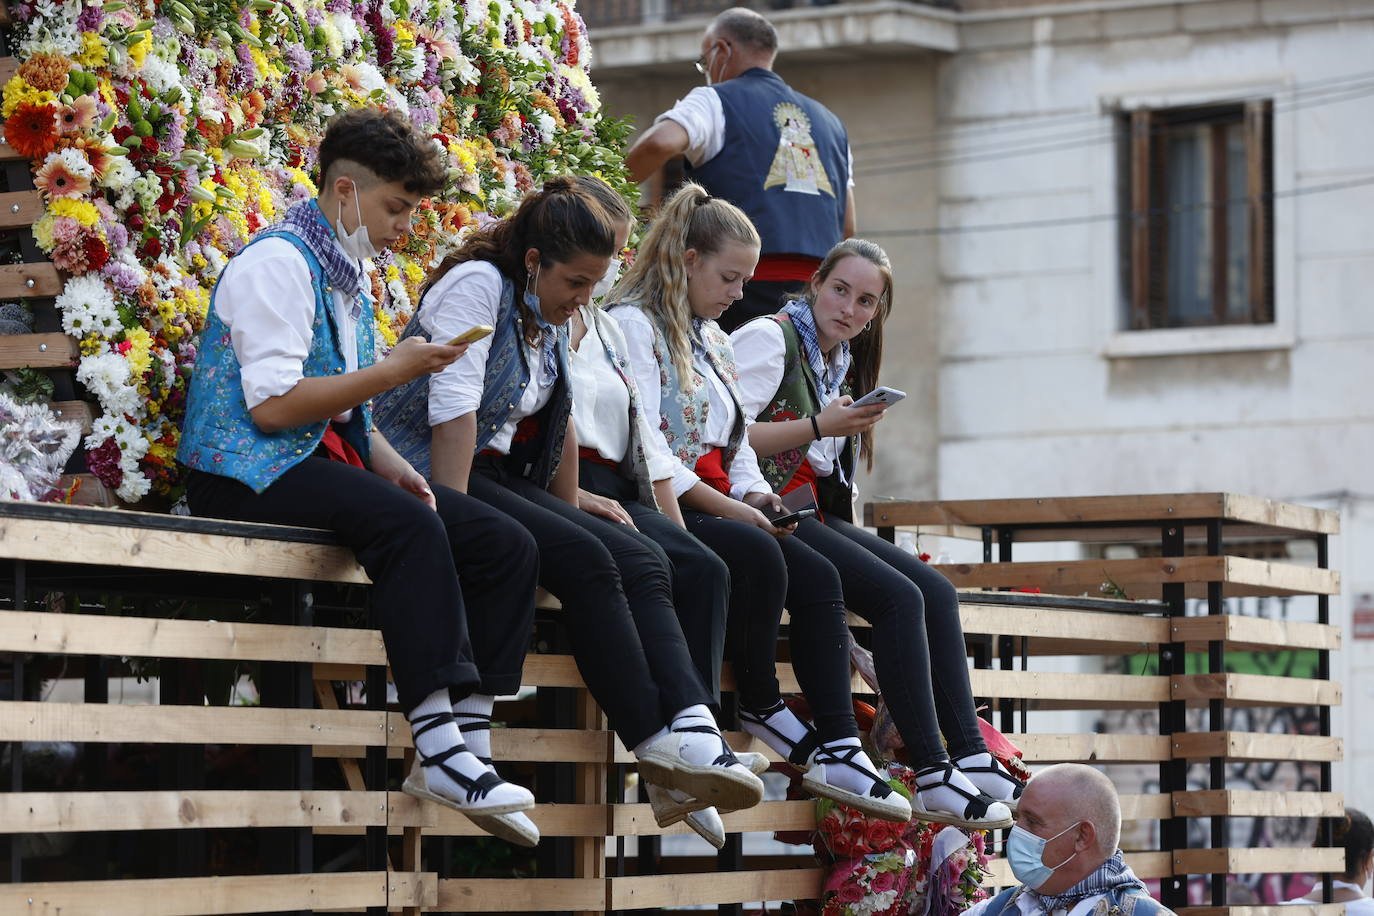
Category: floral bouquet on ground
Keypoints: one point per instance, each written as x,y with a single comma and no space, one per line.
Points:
873,885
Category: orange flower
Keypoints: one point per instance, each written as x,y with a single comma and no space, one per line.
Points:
253,105
58,180
79,115
32,130
94,150
45,71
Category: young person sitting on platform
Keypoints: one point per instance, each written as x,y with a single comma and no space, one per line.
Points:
279,429
499,425
795,371
1356,834
691,265
1063,851
625,474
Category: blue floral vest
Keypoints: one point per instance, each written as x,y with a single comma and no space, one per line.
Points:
219,435
683,408
403,412
1116,902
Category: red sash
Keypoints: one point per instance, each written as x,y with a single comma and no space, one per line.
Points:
591,454
336,448
804,475
710,467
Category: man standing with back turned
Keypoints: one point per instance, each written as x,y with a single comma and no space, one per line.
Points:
1063,851
781,157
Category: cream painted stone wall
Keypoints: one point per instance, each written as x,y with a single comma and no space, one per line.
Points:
882,99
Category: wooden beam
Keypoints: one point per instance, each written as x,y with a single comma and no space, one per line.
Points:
655,891
1148,807
1050,623
1292,909
222,895
1153,508
81,412
20,209
101,723
1256,746
1094,748
160,549
39,278
1256,689
521,895
9,66
1213,803
1144,577
75,812
1255,633
37,351
1279,860
1085,689
93,634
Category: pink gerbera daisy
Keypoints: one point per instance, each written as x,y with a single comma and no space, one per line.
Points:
57,179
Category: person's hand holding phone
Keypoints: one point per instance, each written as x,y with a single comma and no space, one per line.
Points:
762,505
842,420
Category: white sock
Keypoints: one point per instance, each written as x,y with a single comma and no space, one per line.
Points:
474,712
841,776
782,720
437,740
699,748
1001,785
643,746
934,789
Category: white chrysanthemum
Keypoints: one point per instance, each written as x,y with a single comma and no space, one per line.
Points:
105,375
414,69
160,74
468,73
119,174
74,160
86,305
347,28
548,127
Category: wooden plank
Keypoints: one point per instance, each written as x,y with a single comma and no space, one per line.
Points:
22,721
63,812
92,634
1269,860
89,491
1214,802
1256,746
82,412
405,811
638,819
222,895
37,351
20,209
539,671
1143,577
521,895
160,549
1294,909
36,279
1065,510
1086,689
1093,748
1248,634
538,745
1256,689
9,66
652,891
1152,807
1049,623
1146,865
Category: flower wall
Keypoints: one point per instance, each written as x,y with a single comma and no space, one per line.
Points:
164,134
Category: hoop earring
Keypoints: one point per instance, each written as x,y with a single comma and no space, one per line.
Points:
868,326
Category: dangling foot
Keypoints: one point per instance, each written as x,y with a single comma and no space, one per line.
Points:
780,729
945,796
695,759
515,827
670,807
455,777
841,771
992,778
757,764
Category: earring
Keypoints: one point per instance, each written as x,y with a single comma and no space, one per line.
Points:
868,325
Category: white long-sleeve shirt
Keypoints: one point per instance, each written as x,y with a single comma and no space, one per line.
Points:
266,300
745,476
468,295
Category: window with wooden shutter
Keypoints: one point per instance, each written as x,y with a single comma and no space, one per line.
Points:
1197,218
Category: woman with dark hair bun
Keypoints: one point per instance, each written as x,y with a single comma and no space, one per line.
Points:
498,425
1356,834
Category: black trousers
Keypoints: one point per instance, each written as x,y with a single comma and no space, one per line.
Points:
767,573
918,642
761,297
617,592
701,580
455,587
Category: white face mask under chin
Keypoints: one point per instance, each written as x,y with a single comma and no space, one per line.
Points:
358,243
604,285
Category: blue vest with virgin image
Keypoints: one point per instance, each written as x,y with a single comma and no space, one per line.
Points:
784,162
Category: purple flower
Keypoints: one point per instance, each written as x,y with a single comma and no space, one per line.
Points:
298,57
90,19
313,16
121,275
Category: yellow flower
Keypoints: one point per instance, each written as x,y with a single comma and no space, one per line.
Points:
17,92
92,53
91,344
84,212
107,92
138,50
405,38
140,348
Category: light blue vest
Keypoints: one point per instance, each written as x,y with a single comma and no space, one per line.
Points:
1133,901
219,435
403,412
683,408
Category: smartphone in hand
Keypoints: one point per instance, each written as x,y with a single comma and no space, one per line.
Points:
796,505
476,332
880,395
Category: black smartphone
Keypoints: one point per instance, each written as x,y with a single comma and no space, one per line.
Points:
785,517
796,505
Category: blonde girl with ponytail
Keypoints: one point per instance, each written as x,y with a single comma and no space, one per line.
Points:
691,266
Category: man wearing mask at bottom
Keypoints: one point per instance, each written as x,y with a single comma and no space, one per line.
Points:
1064,852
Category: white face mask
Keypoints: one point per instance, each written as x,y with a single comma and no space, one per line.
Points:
356,244
603,286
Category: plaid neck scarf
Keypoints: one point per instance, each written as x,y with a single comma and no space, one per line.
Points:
828,382
306,220
1111,875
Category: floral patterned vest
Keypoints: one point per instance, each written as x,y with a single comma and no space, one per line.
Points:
683,408
403,412
797,398
219,435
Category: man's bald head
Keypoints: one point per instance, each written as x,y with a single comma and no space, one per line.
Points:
1074,792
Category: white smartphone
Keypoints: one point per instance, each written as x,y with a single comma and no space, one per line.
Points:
880,395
